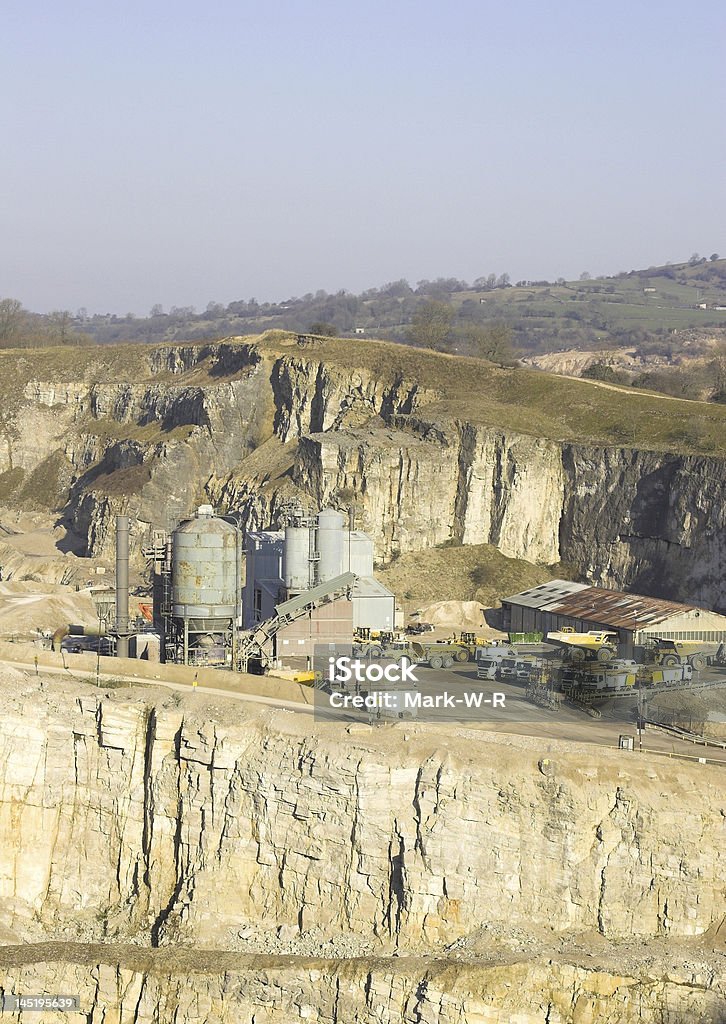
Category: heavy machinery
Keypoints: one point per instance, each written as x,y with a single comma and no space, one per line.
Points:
442,653
387,646
696,653
597,644
468,642
616,676
653,675
368,643
255,645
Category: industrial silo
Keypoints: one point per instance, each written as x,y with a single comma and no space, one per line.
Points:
330,544
296,558
204,582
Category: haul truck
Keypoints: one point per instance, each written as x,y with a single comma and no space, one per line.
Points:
695,653
443,654
597,644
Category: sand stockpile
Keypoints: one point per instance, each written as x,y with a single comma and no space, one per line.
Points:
27,607
460,615
33,547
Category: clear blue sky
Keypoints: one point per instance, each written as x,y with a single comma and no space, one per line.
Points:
179,152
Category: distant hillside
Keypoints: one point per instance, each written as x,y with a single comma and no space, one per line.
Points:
645,309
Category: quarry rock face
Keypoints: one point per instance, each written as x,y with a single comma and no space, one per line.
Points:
167,858
273,991
253,430
132,820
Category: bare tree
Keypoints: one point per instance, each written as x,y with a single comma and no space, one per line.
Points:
431,323
12,318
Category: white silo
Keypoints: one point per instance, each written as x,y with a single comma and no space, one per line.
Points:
296,558
330,544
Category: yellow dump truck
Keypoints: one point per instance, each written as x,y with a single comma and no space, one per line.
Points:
695,653
439,654
597,644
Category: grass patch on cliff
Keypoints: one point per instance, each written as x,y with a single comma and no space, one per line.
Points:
121,482
11,481
468,572
48,484
148,433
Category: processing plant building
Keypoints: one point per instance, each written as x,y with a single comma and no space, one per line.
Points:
306,586
634,617
282,564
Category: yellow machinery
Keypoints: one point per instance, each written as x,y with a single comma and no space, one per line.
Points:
600,644
668,652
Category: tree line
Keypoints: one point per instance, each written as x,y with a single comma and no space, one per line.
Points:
19,328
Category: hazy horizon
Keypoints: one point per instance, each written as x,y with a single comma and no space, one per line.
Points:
183,155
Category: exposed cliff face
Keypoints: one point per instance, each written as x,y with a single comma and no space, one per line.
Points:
653,519
129,820
180,825
252,426
207,988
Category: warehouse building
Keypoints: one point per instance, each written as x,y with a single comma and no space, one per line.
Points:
634,617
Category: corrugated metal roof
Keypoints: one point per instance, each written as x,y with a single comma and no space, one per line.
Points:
538,597
595,604
623,611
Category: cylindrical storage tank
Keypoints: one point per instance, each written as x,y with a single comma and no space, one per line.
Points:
204,572
330,544
295,558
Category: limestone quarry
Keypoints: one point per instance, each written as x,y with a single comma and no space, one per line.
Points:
428,449
197,847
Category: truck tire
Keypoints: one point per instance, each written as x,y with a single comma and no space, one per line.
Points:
436,661
669,660
605,654
448,661
698,662
577,654
375,652
462,655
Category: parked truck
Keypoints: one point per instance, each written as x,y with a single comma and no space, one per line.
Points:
596,644
696,653
617,676
659,675
439,654
504,663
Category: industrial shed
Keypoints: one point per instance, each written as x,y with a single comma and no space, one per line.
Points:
633,616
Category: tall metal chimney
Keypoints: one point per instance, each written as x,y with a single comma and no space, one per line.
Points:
122,586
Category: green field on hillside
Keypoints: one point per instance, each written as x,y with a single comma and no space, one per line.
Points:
605,311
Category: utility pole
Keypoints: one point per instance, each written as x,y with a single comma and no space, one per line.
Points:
122,586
